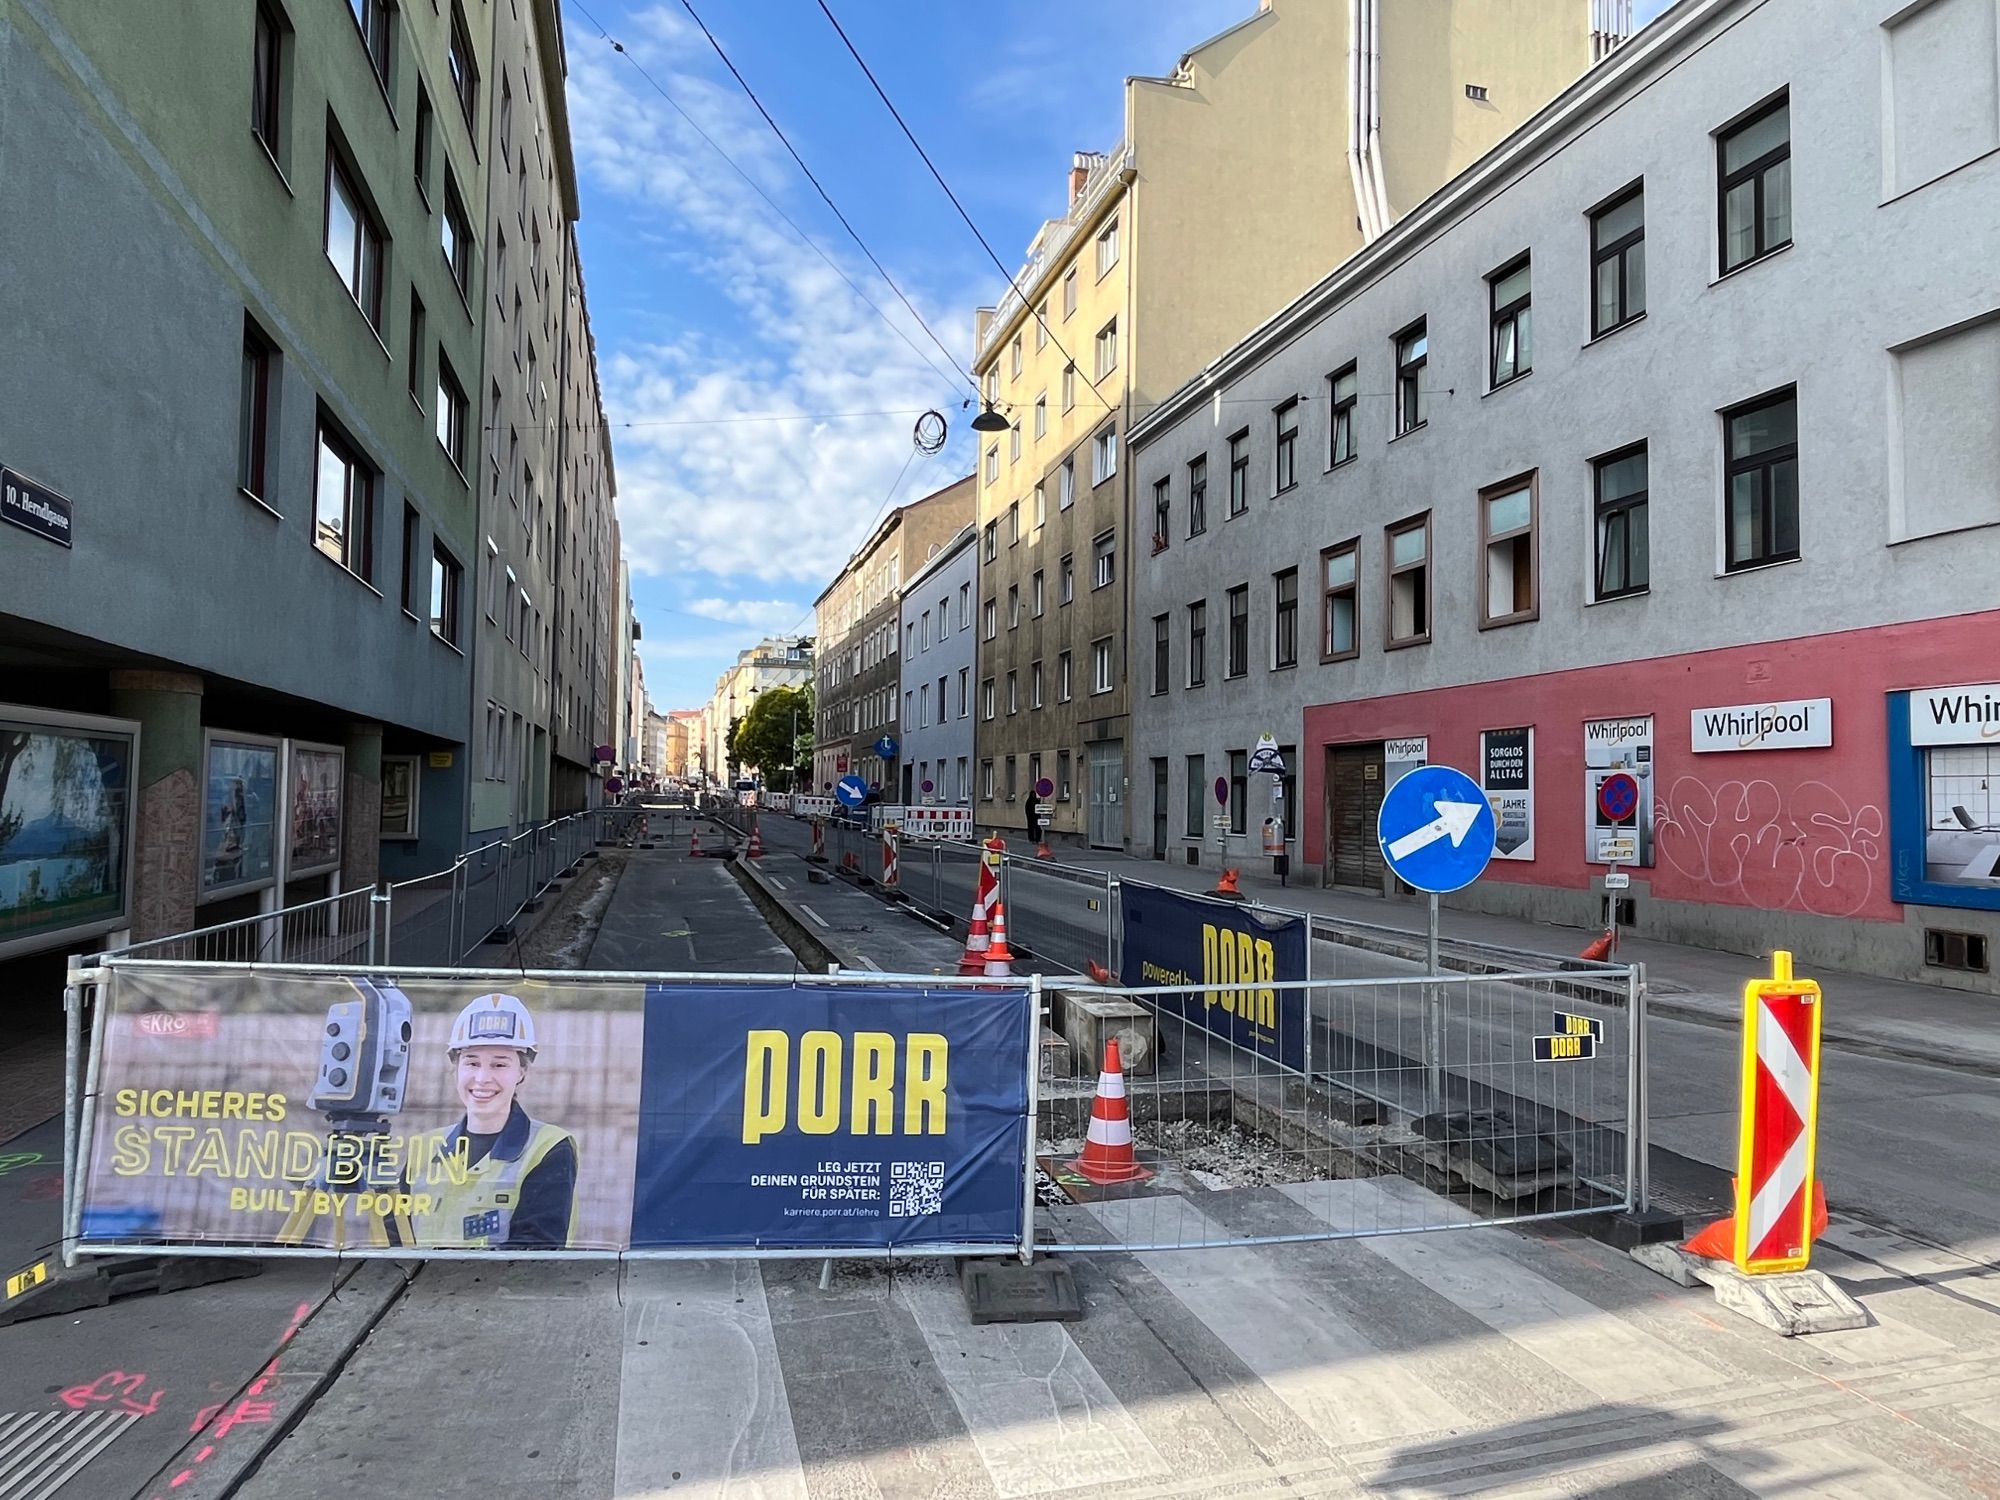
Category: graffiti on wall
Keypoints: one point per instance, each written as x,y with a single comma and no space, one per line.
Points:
1807,849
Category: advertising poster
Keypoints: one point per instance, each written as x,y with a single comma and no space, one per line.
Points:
239,819
832,1116
65,827
316,777
1507,776
400,789
427,1114
1946,830
1400,757
330,1112
1611,746
1230,957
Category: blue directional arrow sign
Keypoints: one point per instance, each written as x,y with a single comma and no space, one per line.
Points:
1436,829
851,791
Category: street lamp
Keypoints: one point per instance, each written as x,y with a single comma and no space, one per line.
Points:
989,420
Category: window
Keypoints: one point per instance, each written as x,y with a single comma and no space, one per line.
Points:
507,605
1756,171
446,577
1069,292
1410,581
1763,455
1104,560
414,352
426,133
1238,642
961,784
1412,353
1107,248
1618,262
1064,684
260,362
1013,779
1338,639
1041,416
534,375
1041,504
1239,790
1065,580
1239,473
1162,655
377,20
1014,371
1042,324
1198,496
986,698
965,606
1343,386
506,119
1163,509
1034,684
1014,444
990,618
1287,465
1062,776
993,463
412,530
1013,606
1068,387
451,426
1197,794
1100,665
455,237
991,540
986,780
1507,538
343,503
964,684
1197,643
1014,523
354,240
1285,618
464,72
1066,490
267,83
943,619
1013,695
1289,784
490,586
1512,304
1620,504
1107,349
992,385
1038,591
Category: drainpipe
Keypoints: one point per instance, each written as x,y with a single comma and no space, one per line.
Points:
1357,129
1372,151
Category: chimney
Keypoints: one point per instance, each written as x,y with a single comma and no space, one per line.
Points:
1079,173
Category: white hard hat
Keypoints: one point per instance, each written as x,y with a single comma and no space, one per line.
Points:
494,1021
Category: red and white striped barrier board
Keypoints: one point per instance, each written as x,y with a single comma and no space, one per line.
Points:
937,822
812,807
892,870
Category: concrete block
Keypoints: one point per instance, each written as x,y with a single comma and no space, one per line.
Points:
1090,1020
1786,1302
1628,1231
1053,1052
1005,1291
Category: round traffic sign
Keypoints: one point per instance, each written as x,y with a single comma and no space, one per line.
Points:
1436,829
1222,791
1618,796
928,787
1045,789
851,791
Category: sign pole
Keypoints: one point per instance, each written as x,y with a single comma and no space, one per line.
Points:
1434,1082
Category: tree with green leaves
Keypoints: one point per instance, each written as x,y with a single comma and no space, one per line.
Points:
763,738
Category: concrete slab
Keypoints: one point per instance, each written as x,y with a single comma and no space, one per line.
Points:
1789,1303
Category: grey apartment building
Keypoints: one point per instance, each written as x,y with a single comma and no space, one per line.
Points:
1657,450
937,666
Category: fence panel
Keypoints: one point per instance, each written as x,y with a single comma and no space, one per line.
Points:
1060,914
1429,1102
422,920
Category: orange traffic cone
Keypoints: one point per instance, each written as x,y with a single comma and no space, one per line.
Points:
999,957
1108,1156
973,960
694,839
1042,850
1718,1240
756,849
1600,950
1227,886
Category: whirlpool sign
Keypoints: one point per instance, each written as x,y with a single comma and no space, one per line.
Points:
1230,958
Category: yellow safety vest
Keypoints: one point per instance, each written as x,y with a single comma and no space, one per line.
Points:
477,1213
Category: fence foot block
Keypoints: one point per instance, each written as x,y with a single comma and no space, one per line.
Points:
1788,1303
998,1290
1644,1226
97,1283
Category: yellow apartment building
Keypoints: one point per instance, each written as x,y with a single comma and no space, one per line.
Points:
1273,152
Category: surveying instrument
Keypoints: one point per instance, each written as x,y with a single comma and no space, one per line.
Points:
364,1066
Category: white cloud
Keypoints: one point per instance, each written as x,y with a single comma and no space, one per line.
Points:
767,615
774,501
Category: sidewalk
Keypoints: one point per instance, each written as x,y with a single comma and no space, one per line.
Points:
1885,1017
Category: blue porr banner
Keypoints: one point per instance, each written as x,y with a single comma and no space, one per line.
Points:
1231,957
807,1116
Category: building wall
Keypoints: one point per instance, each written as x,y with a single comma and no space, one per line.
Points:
1882,313
938,648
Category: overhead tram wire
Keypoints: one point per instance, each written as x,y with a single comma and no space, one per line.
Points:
953,378
825,196
984,244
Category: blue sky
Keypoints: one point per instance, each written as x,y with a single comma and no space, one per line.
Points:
708,310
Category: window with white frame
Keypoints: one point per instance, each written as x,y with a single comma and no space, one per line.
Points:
1107,248
1107,349
1104,559
1100,665
1104,455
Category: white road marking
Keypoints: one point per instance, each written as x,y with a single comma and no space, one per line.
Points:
815,916
870,963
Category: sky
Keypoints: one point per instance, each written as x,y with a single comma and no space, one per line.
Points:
712,315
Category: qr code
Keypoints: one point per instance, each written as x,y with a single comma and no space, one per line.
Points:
915,1187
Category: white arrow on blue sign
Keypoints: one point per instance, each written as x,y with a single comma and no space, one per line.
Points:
851,790
1436,829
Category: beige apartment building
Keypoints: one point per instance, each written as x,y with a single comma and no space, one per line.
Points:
1273,152
859,678
776,661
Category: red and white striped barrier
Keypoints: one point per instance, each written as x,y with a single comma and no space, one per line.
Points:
937,822
812,807
892,870
1780,1208
818,855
